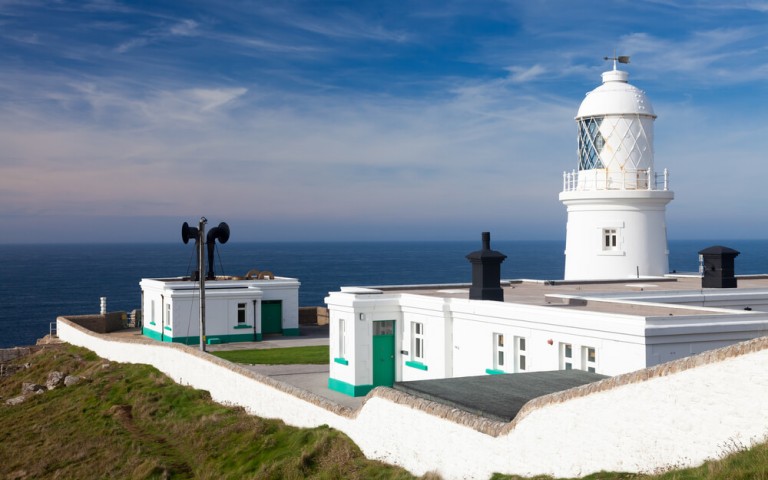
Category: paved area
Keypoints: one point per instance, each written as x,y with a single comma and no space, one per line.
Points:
312,378
311,335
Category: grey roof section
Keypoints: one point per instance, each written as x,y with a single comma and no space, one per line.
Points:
498,397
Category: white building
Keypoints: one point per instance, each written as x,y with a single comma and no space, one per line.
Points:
616,201
237,309
616,230
380,335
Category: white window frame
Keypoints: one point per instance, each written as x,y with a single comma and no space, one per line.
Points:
590,365
242,307
167,316
610,239
342,339
417,341
498,351
521,354
152,313
567,362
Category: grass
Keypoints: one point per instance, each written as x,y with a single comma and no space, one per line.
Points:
737,463
131,421
278,356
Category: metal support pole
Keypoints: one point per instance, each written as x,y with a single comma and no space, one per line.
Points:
201,270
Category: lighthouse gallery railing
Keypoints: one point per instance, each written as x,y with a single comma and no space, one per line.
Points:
602,179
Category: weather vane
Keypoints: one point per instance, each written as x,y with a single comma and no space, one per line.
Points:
620,59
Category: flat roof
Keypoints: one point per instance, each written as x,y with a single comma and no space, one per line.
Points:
498,397
597,296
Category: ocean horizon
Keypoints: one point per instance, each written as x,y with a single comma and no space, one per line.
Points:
42,281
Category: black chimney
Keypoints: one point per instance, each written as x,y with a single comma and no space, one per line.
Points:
718,266
486,272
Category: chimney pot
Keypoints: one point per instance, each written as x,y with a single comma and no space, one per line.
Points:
486,272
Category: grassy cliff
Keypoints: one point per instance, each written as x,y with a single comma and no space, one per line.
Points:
131,421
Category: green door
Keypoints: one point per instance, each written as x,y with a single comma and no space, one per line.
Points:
384,353
272,316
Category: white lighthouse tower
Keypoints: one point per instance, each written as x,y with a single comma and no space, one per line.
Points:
616,200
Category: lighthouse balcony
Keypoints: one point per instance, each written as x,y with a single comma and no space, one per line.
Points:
604,179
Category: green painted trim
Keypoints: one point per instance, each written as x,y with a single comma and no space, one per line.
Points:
418,365
152,323
491,371
242,326
234,338
341,361
151,334
348,389
259,337
291,332
167,328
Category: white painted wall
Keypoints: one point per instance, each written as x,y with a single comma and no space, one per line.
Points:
459,335
671,419
638,216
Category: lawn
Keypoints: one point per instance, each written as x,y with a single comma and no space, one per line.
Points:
317,355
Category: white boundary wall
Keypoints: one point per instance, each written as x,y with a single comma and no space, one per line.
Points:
676,414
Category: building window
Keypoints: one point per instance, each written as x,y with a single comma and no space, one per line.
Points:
498,351
241,312
417,341
167,319
520,354
152,313
589,355
342,338
566,356
610,239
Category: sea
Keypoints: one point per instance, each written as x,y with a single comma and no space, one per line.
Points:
40,282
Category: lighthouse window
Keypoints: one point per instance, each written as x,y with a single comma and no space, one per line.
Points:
591,143
609,239
241,312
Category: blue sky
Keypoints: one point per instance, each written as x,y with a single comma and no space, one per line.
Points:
363,120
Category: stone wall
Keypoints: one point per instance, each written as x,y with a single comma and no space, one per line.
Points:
313,316
110,322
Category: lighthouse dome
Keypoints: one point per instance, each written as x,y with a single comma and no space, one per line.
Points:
615,97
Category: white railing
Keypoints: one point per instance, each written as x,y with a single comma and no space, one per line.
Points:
602,179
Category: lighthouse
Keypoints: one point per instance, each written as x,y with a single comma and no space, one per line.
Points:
616,199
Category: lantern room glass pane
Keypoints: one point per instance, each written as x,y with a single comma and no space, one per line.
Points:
591,143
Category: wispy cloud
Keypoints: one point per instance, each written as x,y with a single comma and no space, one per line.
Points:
705,57
349,26
182,28
525,74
